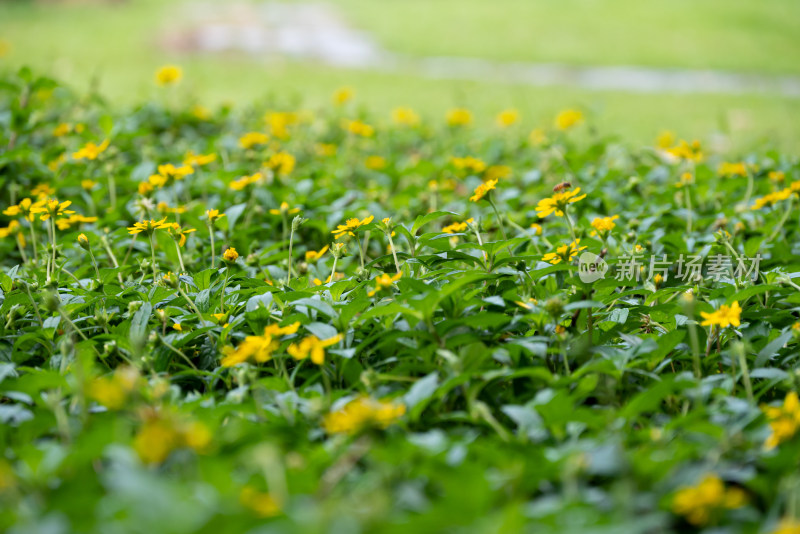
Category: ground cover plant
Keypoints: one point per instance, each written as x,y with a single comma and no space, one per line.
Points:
275,319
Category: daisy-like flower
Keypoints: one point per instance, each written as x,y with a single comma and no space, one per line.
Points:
459,117
198,160
456,227
241,183
362,413
251,139
568,118
171,171
507,117
565,253
603,225
148,227
313,255
313,347
350,226
213,215
405,116
482,190
375,163
230,254
729,170
24,209
685,151
343,95
259,348
180,233
558,203
360,128
284,209
723,317
772,198
52,208
282,163
168,75
469,163
90,151
384,281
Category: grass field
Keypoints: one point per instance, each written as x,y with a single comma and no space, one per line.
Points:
116,46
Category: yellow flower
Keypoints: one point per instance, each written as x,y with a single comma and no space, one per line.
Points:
312,346
200,113
260,348
343,95
565,253
171,171
312,255
405,116
537,228
197,160
61,130
230,254
362,413
24,208
284,209
251,139
772,198
42,191
665,139
482,190
244,181
784,421
497,172
51,208
686,180
148,227
180,233
537,137
168,75
787,526
777,176
8,230
469,163
507,117
456,227
604,224
282,163
279,121
698,503
686,151
177,326
88,184
112,392
568,118
357,127
213,215
558,203
726,169
261,503
459,117
90,151
350,225
67,222
375,163
723,317
325,149
82,239
384,281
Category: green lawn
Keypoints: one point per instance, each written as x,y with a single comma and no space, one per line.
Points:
116,47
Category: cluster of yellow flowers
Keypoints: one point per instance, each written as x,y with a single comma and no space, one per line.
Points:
565,253
363,413
777,196
384,281
783,420
112,392
698,503
161,433
259,348
312,346
557,204
603,225
685,151
729,170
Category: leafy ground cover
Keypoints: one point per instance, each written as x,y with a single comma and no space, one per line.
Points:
279,319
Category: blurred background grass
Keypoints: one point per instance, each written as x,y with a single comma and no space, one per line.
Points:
117,46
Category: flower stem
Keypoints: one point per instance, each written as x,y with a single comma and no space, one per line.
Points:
211,233
394,254
153,257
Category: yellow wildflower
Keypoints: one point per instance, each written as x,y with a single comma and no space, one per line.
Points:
384,281
568,118
230,254
698,503
90,151
787,526
686,151
61,130
537,228
665,139
171,171
375,163
729,170
312,255
24,208
405,116
459,117
362,413
284,209
469,163
198,160
604,224
482,190
51,208
251,139
784,421
213,215
259,348
565,253
261,503
497,172
723,317
350,225
148,226
282,162
343,95
312,346
507,117
244,181
557,204
771,199
357,127
168,75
